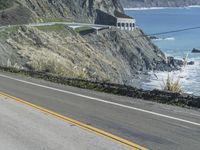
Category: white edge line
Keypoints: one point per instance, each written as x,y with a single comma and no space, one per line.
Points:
101,100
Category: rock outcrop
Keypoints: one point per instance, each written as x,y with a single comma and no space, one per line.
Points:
195,50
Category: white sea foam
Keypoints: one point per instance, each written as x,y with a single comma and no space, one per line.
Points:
159,8
169,39
165,39
194,6
188,76
175,45
146,8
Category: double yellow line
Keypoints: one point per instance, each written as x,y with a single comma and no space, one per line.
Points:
107,135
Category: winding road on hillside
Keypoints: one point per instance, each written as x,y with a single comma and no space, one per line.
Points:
152,125
70,24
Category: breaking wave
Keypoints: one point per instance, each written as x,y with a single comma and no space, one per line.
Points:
158,8
189,78
165,39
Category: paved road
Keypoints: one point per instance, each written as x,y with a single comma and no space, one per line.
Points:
24,128
155,126
70,24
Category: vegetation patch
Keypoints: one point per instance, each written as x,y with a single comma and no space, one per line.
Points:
5,32
172,85
56,27
83,29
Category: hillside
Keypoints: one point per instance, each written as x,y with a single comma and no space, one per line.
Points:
158,3
112,55
25,11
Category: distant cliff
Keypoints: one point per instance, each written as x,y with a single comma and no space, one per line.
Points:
158,3
25,11
113,55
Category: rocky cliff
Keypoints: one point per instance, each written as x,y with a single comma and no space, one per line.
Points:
158,3
24,11
112,55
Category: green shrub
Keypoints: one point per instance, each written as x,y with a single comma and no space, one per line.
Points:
56,27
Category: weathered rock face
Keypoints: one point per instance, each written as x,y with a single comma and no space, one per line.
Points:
17,14
113,55
52,10
195,50
158,3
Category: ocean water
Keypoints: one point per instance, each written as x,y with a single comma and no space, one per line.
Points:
178,44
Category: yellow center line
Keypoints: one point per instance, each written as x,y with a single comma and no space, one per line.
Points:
79,124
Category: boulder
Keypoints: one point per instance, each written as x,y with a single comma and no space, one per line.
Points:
195,50
153,37
191,63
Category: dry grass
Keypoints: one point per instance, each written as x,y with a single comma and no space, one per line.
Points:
172,85
64,54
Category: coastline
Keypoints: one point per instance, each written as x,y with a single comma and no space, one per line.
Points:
172,45
159,8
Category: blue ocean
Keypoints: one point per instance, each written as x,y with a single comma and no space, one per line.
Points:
178,44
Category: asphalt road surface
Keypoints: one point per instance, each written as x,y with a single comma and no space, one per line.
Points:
152,125
23,128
